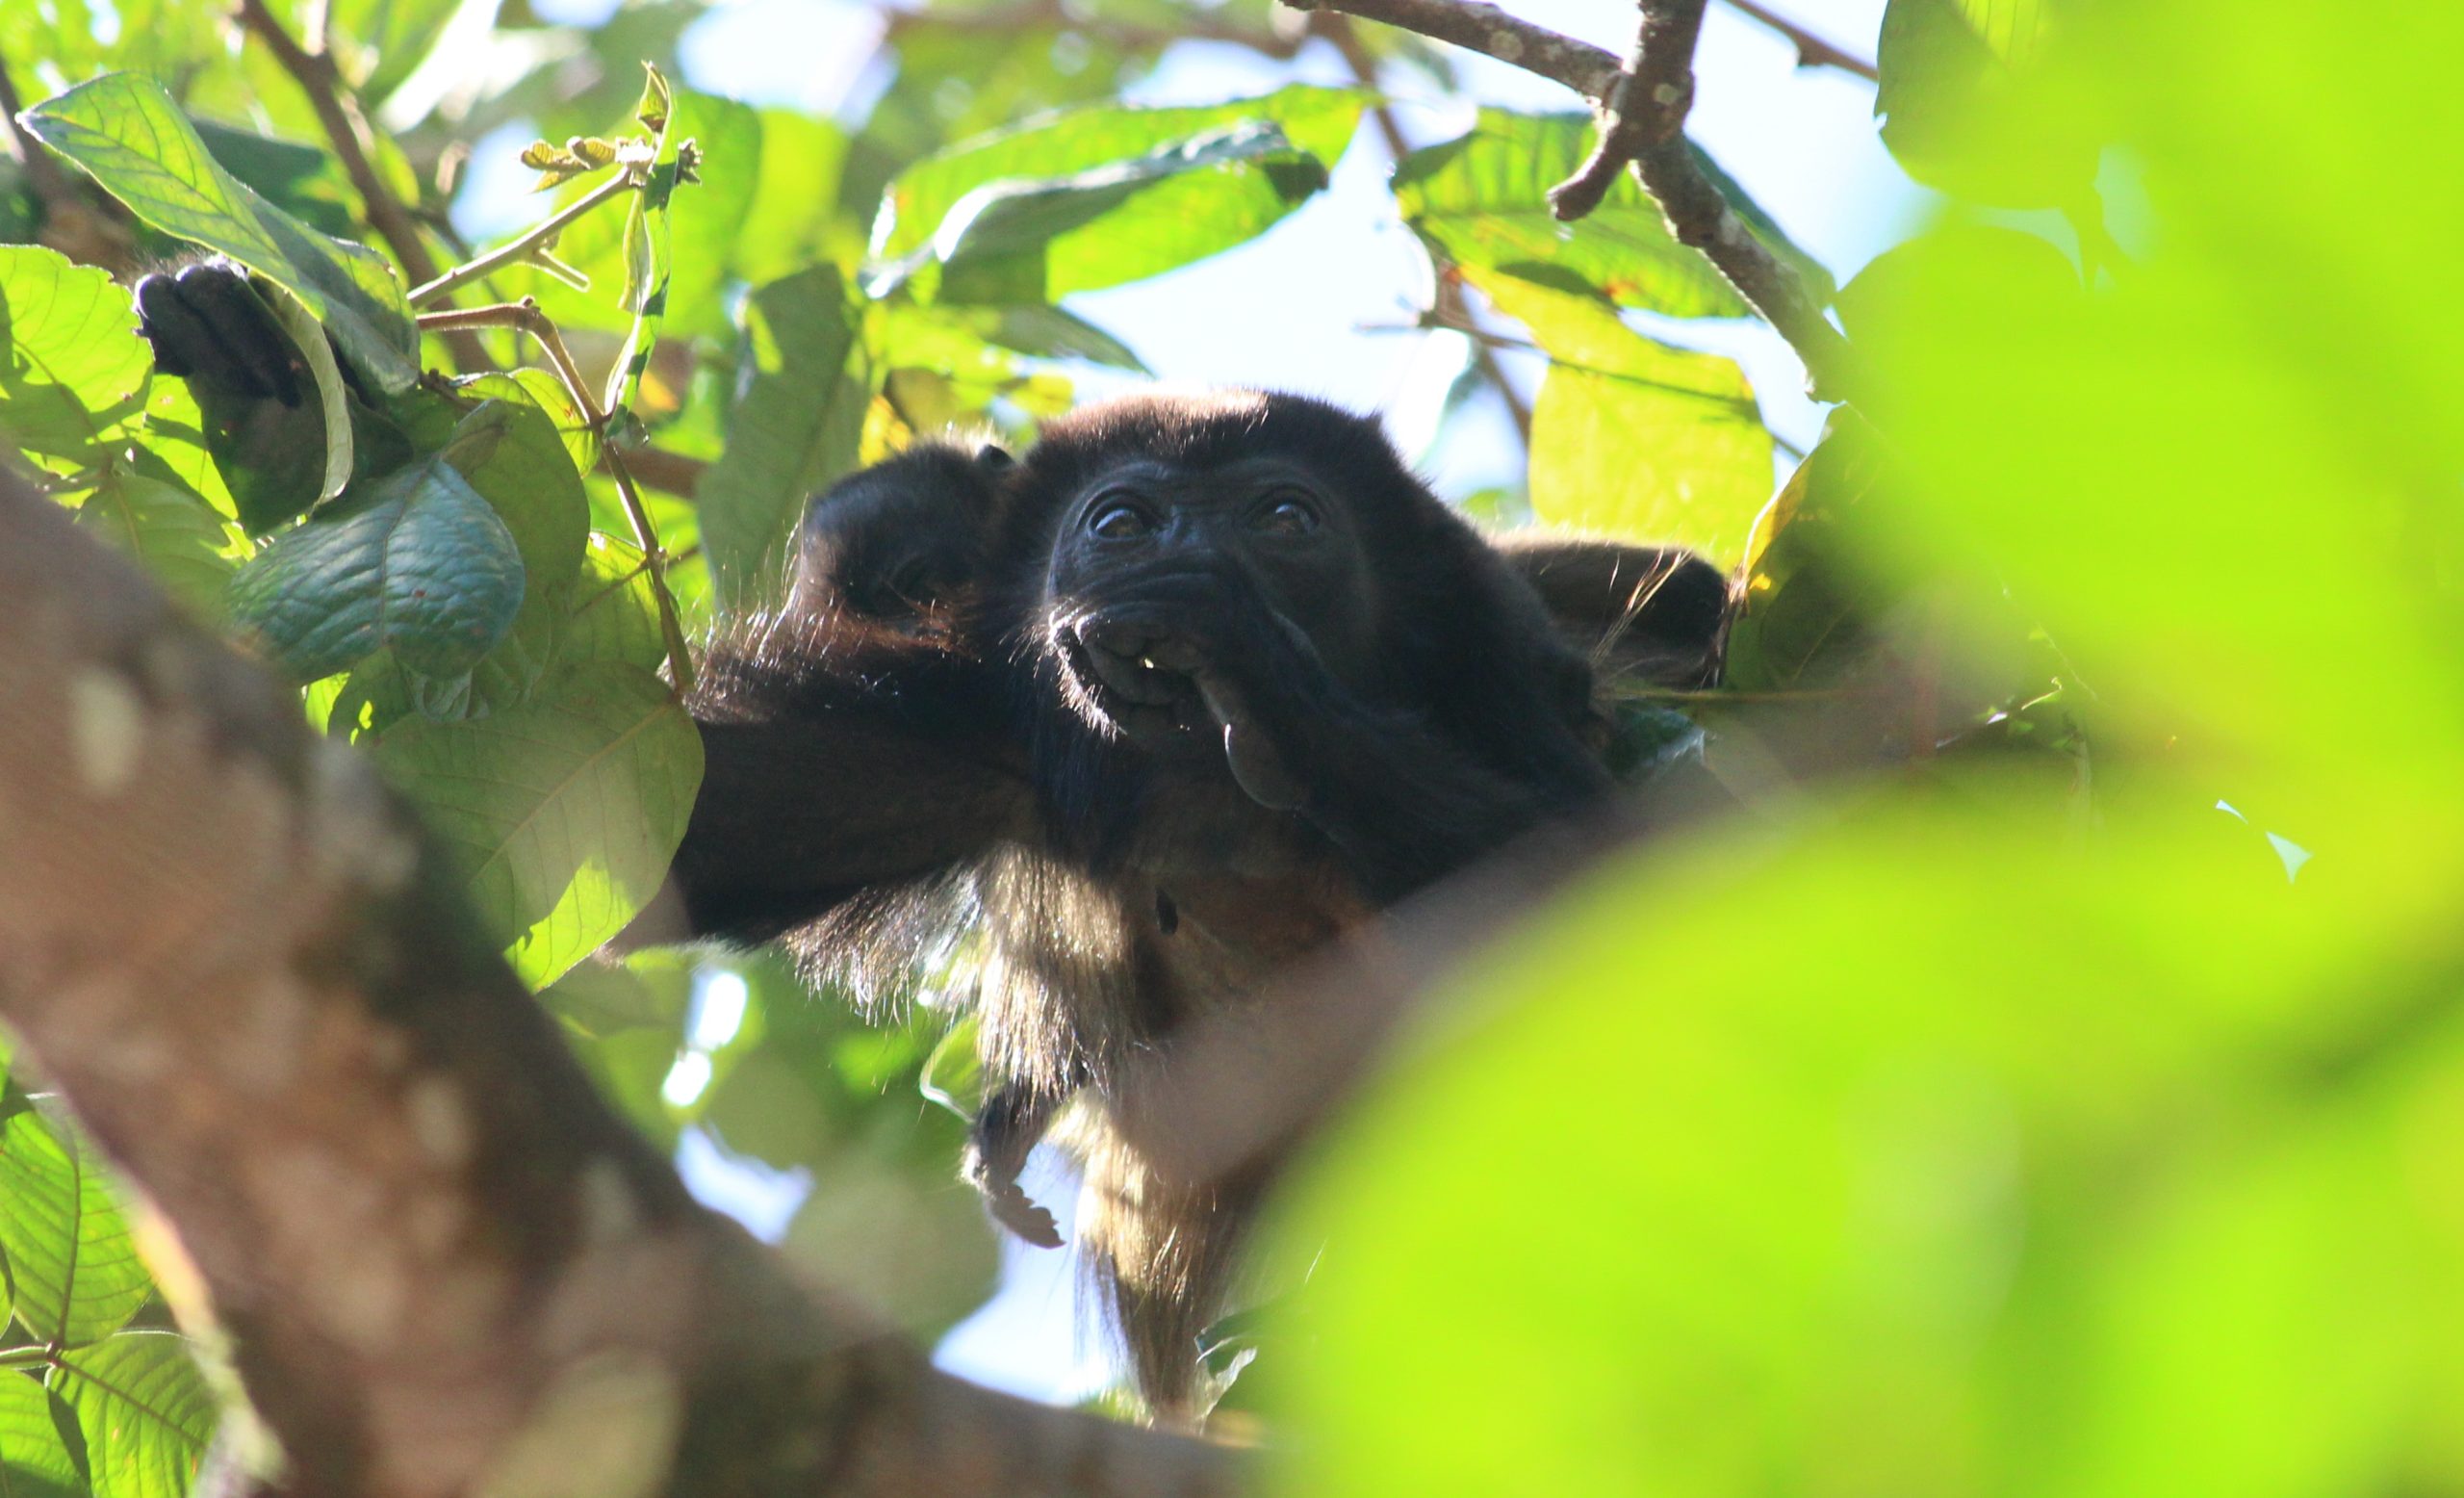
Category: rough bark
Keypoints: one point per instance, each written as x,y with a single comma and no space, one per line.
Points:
440,1263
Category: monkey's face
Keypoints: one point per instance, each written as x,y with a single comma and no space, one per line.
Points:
1164,578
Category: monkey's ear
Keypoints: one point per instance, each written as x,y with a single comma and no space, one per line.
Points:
1654,613
994,457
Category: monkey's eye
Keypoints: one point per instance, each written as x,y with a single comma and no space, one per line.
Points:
1113,521
1289,513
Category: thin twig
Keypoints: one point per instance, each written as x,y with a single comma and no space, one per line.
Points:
1699,214
346,131
525,316
1338,29
670,628
503,255
1811,50
1452,312
1646,106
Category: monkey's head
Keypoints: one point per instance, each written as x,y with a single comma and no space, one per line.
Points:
901,544
1237,526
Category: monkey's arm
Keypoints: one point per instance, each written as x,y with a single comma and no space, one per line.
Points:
798,816
836,763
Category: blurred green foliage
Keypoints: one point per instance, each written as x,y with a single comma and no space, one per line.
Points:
1985,1108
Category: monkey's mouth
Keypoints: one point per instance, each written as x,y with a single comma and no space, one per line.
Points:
1118,685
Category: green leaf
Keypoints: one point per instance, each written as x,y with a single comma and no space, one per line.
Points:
794,195
419,564
765,1106
76,371
1808,608
125,132
954,1073
510,453
703,234
548,395
601,998
1633,438
614,613
650,266
308,336
168,529
794,429
1481,202
172,435
563,810
73,1272
923,1254
35,1462
303,181
144,1410
1968,105
1093,197
999,233
399,33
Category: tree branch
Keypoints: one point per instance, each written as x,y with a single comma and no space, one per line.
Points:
1645,106
440,1263
1699,214
1811,50
345,131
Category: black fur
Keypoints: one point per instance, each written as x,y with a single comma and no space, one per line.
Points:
1155,767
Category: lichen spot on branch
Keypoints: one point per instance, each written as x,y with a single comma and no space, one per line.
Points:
439,1120
106,730
609,1214
606,1426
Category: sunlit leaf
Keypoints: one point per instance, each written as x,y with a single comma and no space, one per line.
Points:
126,132
954,1073
1634,437
1808,604
564,810
793,429
1967,105
543,391
168,529
1481,200
1112,193
76,371
420,563
73,1273
143,1409
35,1462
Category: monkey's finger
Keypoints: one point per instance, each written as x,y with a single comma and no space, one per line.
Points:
1257,768
1013,1210
247,338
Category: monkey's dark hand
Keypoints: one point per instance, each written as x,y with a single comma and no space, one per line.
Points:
1186,649
207,325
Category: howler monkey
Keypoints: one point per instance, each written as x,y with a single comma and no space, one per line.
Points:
1215,681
